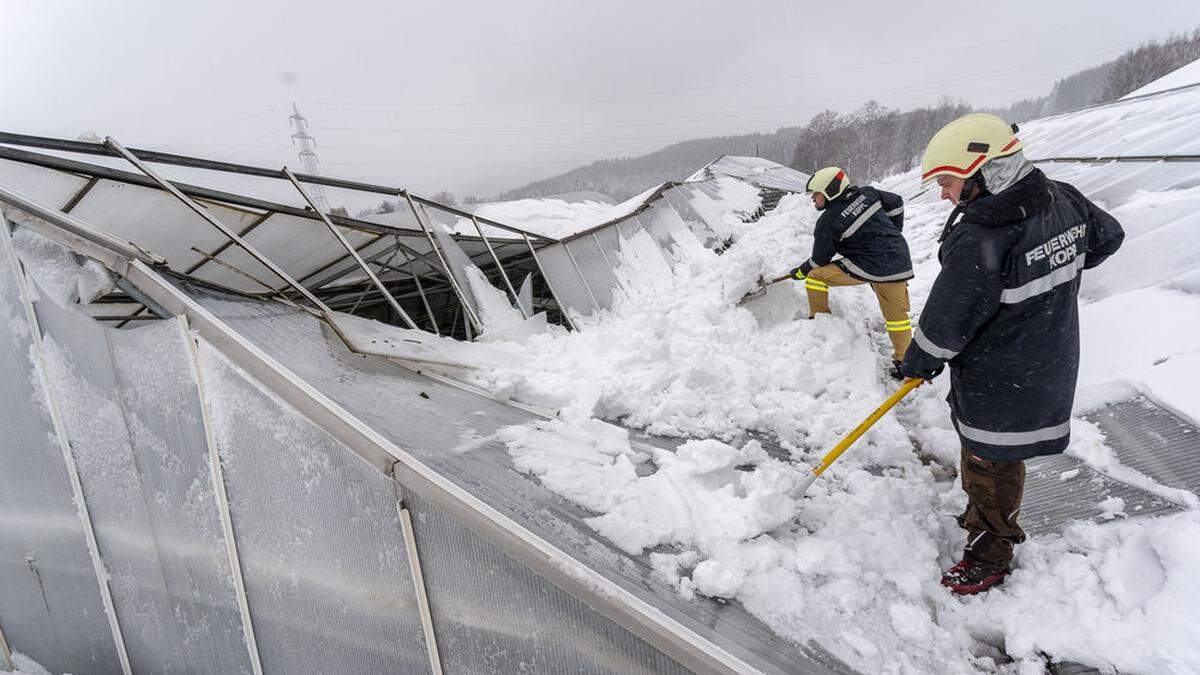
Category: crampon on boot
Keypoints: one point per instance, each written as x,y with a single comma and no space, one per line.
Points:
971,576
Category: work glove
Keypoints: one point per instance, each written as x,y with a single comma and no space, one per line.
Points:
925,369
799,273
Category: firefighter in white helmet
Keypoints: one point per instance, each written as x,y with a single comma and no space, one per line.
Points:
863,226
1002,312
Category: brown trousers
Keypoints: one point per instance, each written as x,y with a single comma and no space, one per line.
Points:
892,297
994,491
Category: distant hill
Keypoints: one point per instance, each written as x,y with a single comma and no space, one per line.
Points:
624,177
870,142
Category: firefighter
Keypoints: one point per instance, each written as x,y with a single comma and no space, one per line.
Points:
864,226
1003,313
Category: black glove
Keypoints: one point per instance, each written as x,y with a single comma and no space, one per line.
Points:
915,367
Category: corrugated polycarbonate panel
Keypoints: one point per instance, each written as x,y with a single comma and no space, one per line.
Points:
1114,183
47,186
599,276
1153,440
131,409
155,220
564,280
494,615
1060,489
319,537
50,602
1162,124
759,171
451,431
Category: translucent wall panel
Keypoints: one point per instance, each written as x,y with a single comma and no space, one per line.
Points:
156,220
131,409
459,264
452,431
564,280
50,602
319,537
680,199
596,271
493,615
50,187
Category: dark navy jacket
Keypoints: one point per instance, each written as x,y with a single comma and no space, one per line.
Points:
1003,313
864,226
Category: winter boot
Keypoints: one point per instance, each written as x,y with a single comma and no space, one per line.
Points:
973,576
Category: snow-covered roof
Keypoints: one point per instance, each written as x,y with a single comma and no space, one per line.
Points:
756,171
1183,76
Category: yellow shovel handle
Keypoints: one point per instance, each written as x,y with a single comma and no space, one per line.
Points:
861,429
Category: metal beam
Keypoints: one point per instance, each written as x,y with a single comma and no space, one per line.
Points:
1121,158
87,148
221,249
217,475
350,249
462,298
212,220
561,307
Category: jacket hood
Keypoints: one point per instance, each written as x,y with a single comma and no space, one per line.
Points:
1027,196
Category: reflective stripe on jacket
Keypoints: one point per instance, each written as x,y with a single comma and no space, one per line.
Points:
1003,313
863,225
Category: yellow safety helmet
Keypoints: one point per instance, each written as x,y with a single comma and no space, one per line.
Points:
830,181
961,147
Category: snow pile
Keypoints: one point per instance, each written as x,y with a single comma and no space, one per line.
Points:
549,217
27,666
66,277
674,356
856,565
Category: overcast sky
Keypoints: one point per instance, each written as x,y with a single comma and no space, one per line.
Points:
485,96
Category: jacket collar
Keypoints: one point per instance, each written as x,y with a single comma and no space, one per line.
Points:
1030,195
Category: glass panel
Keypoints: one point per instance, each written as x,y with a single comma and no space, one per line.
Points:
318,534
50,603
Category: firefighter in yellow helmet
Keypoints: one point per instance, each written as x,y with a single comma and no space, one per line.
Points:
1002,313
864,227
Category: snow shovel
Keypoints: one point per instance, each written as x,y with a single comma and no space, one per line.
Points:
859,430
761,290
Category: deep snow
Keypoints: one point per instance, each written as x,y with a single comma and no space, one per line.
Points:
855,566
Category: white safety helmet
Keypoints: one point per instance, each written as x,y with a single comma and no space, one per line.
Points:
830,181
963,146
